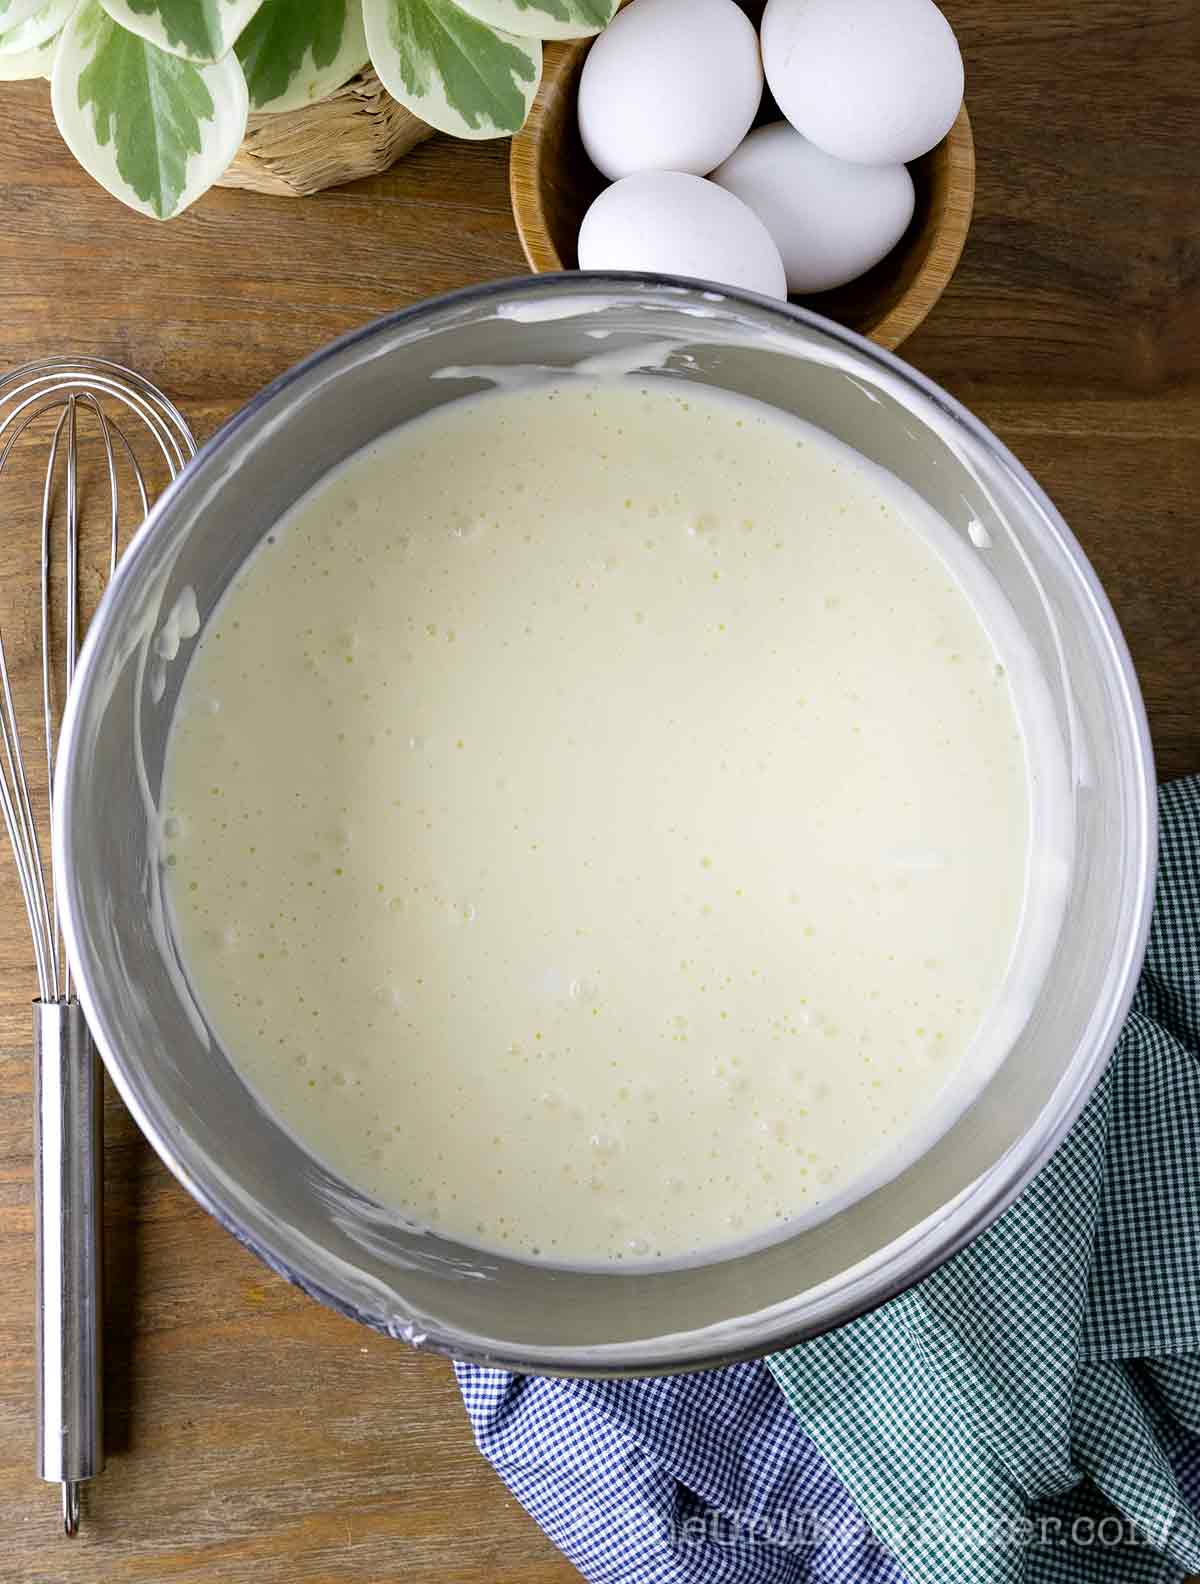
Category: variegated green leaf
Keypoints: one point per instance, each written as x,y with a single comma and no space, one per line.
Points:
37,62
154,129
450,69
14,11
199,30
295,51
45,24
544,18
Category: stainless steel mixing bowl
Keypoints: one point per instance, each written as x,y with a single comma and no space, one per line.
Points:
356,1255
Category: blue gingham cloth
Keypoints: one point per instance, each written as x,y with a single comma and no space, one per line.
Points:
691,1479
1029,1414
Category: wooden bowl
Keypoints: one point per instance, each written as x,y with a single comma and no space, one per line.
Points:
553,182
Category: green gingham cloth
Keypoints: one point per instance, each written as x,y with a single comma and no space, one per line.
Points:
1021,1416
1031,1412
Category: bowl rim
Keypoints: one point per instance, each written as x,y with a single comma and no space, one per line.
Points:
945,243
855,1291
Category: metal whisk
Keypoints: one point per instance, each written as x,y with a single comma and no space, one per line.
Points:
68,1136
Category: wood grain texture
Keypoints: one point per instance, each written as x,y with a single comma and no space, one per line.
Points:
552,184
254,1437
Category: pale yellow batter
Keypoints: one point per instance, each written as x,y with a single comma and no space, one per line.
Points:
596,820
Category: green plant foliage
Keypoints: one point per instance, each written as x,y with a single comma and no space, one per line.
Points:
544,18
450,69
296,51
199,30
152,95
154,129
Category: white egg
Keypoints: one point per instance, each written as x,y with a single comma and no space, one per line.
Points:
831,219
674,223
878,81
669,85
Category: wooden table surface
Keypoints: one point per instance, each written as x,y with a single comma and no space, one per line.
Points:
252,1434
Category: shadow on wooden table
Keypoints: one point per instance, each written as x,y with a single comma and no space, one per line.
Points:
128,1166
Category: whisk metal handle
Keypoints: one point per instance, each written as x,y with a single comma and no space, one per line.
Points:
68,1208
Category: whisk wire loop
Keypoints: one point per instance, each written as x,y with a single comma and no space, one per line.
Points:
76,394
72,388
